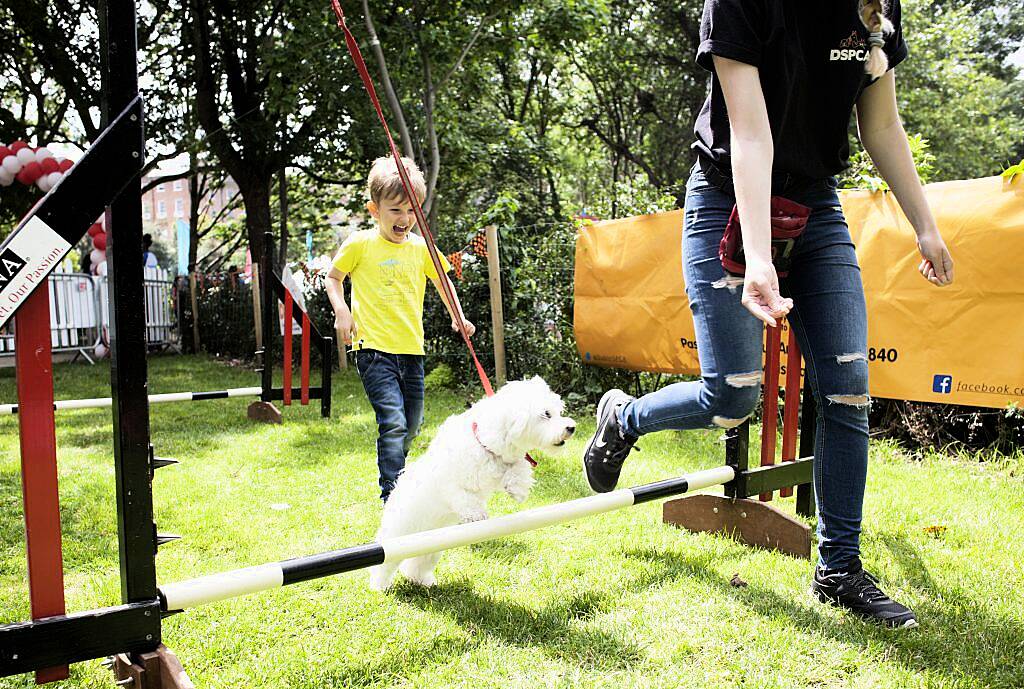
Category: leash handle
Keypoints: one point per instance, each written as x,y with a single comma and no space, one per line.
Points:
421,220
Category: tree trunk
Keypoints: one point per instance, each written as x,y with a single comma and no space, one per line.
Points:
556,202
434,164
255,192
405,141
282,192
432,218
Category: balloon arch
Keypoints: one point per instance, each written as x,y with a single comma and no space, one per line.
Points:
19,162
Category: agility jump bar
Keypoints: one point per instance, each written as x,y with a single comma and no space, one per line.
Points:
217,587
98,402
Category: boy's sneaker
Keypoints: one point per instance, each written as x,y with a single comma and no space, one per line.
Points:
855,589
607,450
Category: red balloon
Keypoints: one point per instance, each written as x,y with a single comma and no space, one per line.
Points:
66,165
30,173
49,165
100,241
95,229
4,152
17,146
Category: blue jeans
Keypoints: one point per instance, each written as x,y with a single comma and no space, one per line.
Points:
829,319
394,386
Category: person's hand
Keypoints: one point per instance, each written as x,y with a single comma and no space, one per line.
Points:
344,326
761,295
470,328
936,263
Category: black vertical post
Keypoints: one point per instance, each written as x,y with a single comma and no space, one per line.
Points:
135,527
737,455
808,429
268,304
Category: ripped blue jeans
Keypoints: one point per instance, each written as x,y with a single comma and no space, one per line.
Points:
830,322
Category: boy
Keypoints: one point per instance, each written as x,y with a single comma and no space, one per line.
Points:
389,266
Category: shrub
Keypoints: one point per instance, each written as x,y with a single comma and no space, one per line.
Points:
441,378
225,316
948,427
226,323
537,302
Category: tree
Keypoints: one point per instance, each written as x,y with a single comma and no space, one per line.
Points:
49,80
644,90
443,34
960,99
315,207
267,88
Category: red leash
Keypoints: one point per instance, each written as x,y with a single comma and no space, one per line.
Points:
421,220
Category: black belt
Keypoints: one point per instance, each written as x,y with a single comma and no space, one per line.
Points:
782,182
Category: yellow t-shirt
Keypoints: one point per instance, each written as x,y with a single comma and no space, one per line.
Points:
388,281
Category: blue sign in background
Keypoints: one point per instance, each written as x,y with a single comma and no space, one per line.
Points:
183,237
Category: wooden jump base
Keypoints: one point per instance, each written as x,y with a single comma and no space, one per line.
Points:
754,522
218,587
156,669
100,402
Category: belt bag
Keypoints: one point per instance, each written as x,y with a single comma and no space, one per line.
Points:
788,220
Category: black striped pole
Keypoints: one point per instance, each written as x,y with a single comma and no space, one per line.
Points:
217,587
98,402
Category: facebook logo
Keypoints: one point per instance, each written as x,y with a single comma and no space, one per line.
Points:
942,384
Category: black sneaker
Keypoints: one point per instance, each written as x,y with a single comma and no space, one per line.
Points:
607,450
855,589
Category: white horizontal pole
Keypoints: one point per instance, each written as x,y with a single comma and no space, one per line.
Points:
100,402
413,545
210,589
215,587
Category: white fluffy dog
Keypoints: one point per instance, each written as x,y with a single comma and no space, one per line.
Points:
474,455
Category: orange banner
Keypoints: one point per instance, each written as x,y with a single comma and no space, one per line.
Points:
962,344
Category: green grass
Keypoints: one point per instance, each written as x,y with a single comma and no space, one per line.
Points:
618,600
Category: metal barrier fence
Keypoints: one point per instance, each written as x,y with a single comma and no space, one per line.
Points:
79,315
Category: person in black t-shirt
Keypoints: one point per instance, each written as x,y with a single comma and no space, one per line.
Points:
785,77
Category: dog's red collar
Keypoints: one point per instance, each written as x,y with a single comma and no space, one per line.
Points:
476,435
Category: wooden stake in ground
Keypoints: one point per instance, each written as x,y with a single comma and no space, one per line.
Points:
497,314
257,316
195,311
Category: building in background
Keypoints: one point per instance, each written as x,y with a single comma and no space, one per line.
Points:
169,201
